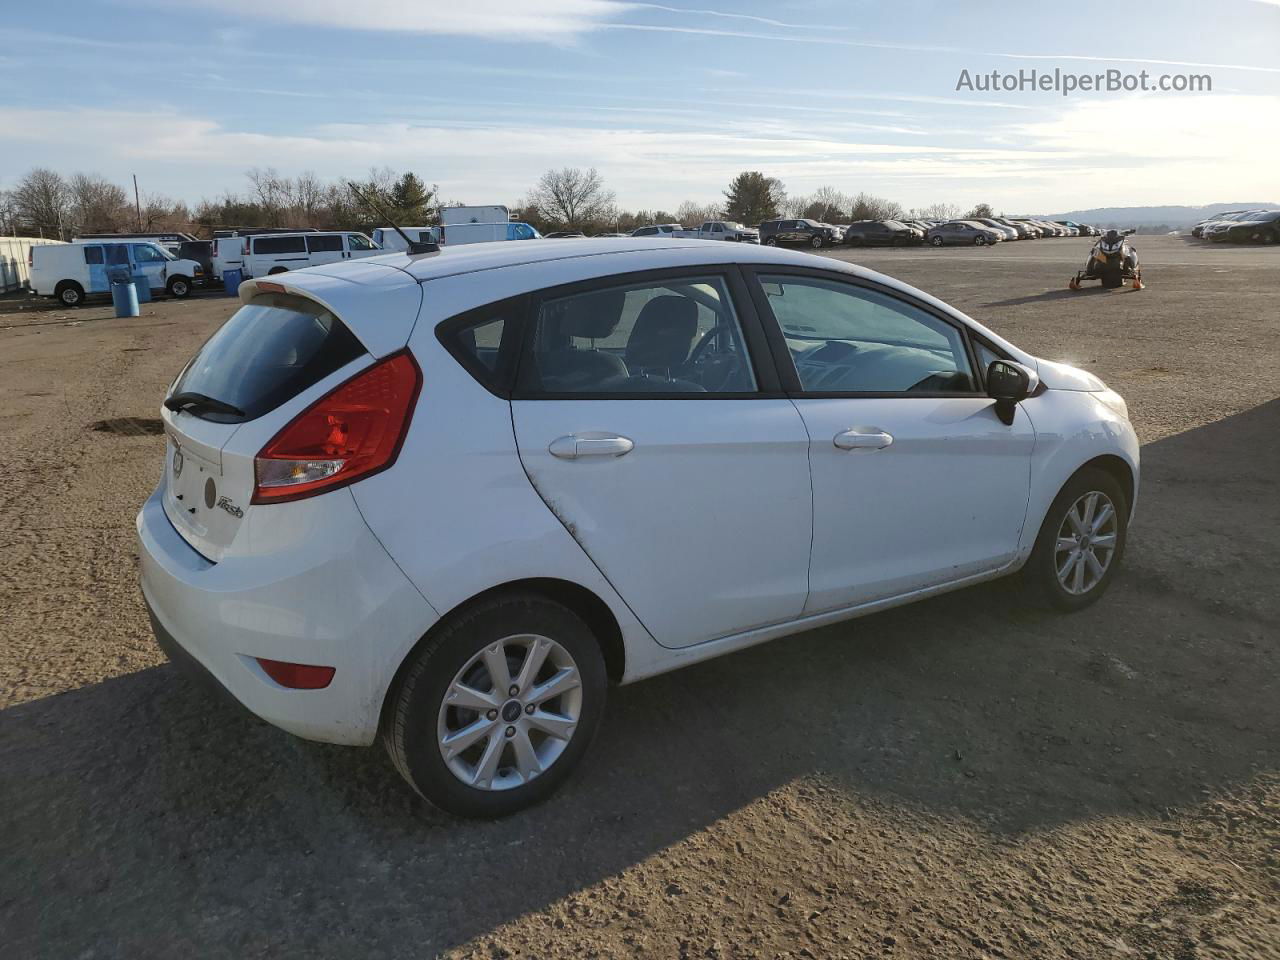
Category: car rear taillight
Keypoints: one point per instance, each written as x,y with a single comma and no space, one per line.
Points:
352,432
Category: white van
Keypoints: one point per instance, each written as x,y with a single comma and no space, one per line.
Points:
494,213
388,239
268,253
458,233
72,271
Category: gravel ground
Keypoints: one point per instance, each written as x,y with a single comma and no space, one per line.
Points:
959,778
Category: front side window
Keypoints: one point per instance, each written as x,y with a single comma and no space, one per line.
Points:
676,336
849,339
146,255
358,241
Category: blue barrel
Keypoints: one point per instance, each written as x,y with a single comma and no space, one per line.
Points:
231,281
124,297
143,283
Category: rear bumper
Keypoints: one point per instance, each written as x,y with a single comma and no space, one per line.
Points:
337,600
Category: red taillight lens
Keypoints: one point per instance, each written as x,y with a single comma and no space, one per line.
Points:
299,676
350,433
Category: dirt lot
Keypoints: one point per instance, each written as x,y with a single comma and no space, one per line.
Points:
960,778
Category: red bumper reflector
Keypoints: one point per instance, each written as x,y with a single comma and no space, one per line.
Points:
298,676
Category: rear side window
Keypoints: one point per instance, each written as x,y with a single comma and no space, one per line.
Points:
271,349
117,254
486,341
325,243
294,244
92,254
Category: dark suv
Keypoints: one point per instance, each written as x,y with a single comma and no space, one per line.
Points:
889,233
809,232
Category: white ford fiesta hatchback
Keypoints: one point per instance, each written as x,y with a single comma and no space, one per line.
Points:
445,500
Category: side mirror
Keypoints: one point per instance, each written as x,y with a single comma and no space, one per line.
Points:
1130,232
1008,384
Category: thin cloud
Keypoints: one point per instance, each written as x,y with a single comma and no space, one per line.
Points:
742,16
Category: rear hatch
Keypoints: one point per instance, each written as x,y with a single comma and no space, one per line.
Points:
279,352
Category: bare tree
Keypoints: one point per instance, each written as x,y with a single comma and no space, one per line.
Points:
939,211
867,207
692,213
42,203
572,198
308,196
8,213
826,204
98,205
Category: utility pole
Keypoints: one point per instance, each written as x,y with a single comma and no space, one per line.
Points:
137,204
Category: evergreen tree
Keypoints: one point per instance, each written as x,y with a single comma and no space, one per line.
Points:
752,197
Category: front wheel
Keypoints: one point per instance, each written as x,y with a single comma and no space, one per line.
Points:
1081,542
179,287
496,709
979,241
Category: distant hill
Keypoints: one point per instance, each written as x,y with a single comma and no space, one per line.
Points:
1171,217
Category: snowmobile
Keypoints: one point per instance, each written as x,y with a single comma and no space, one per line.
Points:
1111,260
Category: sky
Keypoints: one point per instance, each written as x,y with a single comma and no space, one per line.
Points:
667,100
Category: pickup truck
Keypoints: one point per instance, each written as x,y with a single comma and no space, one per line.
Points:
711,230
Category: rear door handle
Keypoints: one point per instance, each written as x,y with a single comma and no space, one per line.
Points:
863,438
575,446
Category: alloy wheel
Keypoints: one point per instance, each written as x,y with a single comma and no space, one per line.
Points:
1086,543
510,712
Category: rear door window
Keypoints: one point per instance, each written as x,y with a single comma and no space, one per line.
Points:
271,349
291,244
325,243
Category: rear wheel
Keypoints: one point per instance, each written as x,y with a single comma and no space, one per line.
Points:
1081,542
496,709
770,241
274,270
937,241
70,293
816,241
178,287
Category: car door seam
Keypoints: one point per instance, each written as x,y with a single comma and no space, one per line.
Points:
568,527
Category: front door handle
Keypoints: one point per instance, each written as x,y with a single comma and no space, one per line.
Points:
576,446
863,438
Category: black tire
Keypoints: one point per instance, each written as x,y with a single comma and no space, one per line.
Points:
979,241
1112,279
179,287
69,293
274,270
414,703
817,240
770,241
1040,575
937,241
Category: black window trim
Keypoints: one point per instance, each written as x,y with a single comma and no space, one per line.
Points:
785,364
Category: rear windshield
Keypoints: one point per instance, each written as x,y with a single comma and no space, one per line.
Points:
271,349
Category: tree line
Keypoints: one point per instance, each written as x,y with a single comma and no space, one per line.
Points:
48,204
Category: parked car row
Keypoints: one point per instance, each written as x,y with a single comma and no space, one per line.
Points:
72,271
974,231
1240,226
